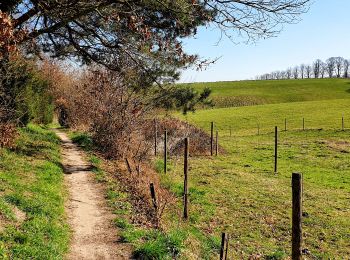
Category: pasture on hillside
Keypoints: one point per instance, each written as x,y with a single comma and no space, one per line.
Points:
257,92
238,192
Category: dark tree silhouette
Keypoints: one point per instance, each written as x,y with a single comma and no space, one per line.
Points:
339,61
333,66
330,63
302,70
308,70
316,68
346,68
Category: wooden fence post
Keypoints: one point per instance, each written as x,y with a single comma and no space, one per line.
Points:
185,178
342,123
285,124
217,144
276,146
153,196
165,150
211,138
222,249
296,216
155,137
227,244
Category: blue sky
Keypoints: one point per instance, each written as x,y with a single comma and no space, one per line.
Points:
323,32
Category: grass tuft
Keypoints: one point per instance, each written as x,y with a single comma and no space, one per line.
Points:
82,139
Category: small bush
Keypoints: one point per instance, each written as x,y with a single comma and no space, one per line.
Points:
83,140
161,246
122,223
132,235
277,255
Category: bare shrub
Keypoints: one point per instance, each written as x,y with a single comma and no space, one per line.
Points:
137,184
177,132
101,103
8,133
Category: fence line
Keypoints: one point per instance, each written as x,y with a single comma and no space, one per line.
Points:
230,130
297,188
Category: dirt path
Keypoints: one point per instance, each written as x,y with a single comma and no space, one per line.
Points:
94,236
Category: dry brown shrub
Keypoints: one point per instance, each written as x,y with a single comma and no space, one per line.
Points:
8,134
63,87
137,184
101,103
105,104
177,131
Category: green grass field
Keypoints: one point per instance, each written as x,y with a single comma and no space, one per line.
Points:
243,93
238,192
325,114
32,219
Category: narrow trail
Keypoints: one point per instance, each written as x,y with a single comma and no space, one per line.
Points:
94,236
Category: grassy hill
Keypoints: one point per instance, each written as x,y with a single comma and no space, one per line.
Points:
239,193
242,93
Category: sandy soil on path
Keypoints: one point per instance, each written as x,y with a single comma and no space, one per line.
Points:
94,236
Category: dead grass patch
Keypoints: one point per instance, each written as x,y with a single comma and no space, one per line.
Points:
339,146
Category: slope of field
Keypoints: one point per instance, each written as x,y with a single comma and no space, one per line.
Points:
239,193
242,93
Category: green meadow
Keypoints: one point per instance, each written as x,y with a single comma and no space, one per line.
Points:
238,192
326,114
253,92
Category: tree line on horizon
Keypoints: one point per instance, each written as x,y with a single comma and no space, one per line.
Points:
333,67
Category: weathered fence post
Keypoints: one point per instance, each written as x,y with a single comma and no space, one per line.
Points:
276,152
211,138
165,150
296,216
342,123
185,178
222,249
227,244
155,137
217,144
153,196
285,124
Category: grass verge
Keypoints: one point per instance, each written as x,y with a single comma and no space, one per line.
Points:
32,193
